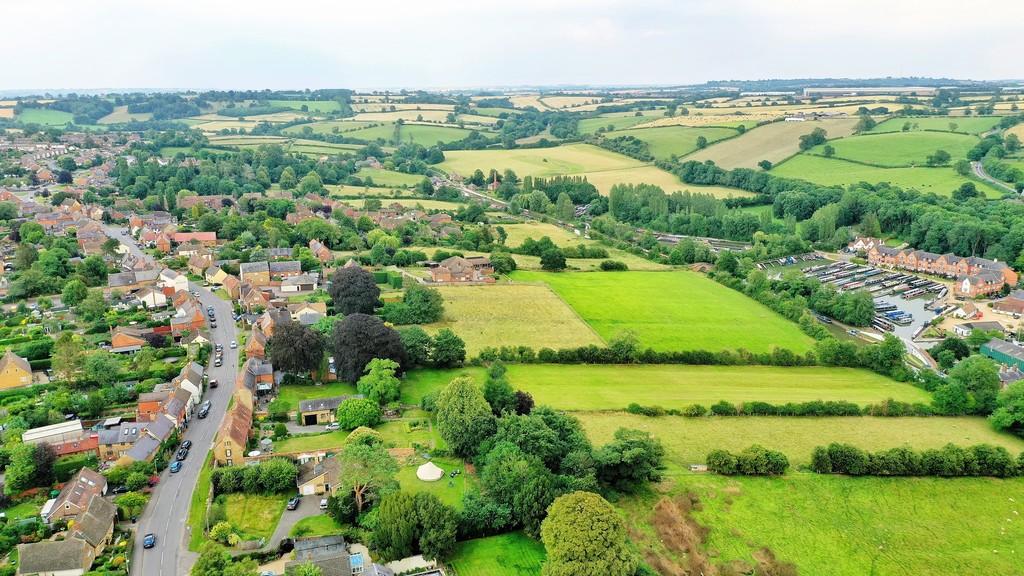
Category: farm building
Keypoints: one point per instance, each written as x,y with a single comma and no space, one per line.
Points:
1004,352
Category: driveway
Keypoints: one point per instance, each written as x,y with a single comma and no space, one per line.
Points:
167,513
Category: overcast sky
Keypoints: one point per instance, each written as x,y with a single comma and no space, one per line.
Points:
472,43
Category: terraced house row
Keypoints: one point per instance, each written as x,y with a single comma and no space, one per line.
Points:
975,276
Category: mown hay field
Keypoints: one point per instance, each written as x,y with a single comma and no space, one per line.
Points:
511,315
580,387
406,115
121,114
668,141
773,142
679,310
688,440
383,177
831,171
311,105
327,127
571,159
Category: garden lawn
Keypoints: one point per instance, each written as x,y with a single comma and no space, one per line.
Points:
310,442
614,387
844,526
319,525
688,440
26,509
511,315
512,554
679,310
255,515
401,434
449,490
295,393
897,149
835,172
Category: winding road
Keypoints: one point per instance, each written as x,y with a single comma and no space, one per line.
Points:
979,171
166,515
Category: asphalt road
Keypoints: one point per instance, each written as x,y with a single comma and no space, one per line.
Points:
166,514
980,172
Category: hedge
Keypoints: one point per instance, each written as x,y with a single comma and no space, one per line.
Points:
888,407
380,276
754,461
949,461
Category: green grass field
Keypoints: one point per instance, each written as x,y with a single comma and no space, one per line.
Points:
511,554
611,387
502,315
364,191
197,505
254,515
295,393
571,159
517,233
319,525
773,142
673,311
326,127
666,141
389,177
688,440
851,526
311,105
427,135
970,124
894,149
44,116
831,171
591,125
449,490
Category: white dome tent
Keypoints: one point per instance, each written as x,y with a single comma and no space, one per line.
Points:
429,472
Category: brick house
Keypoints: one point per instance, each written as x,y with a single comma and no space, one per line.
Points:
459,269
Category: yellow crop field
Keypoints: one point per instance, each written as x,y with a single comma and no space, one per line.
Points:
526,100
568,101
698,119
1018,130
572,159
772,142
8,103
387,106
121,114
6,112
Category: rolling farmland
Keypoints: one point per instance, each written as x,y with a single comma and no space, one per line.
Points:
898,149
773,142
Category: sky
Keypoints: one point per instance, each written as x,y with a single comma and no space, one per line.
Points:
379,44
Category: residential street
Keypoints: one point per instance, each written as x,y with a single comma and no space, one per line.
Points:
167,512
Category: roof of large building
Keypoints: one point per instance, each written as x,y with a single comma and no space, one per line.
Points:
1008,348
43,432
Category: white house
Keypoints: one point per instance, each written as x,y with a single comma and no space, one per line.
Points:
151,297
300,283
172,279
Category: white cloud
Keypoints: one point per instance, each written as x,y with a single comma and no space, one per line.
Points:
393,43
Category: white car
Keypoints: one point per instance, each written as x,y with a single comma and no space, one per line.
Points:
234,344
323,504
333,426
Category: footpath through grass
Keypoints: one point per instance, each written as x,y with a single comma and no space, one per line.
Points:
679,310
614,387
512,554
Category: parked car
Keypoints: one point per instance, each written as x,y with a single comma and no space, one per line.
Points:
149,540
119,490
213,383
181,455
294,503
217,363
323,503
333,426
213,324
204,409
175,467
187,444
234,344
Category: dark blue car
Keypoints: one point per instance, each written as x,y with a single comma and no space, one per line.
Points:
149,540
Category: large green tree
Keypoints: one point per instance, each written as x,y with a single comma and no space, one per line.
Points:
380,383
584,536
464,418
296,348
354,291
365,469
360,338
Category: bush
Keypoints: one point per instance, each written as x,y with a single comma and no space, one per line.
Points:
754,461
356,412
724,408
613,266
635,408
721,462
948,461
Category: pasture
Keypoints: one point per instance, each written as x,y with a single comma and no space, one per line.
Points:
850,526
773,142
526,262
669,141
506,315
477,119
899,149
832,171
591,125
310,105
647,174
406,115
326,127
429,135
688,440
512,554
968,125
517,233
44,116
673,311
383,177
571,159
581,387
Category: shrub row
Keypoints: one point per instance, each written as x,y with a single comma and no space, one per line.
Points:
592,354
271,476
948,461
754,461
888,407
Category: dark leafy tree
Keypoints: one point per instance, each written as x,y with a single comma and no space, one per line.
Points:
359,338
354,291
296,348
